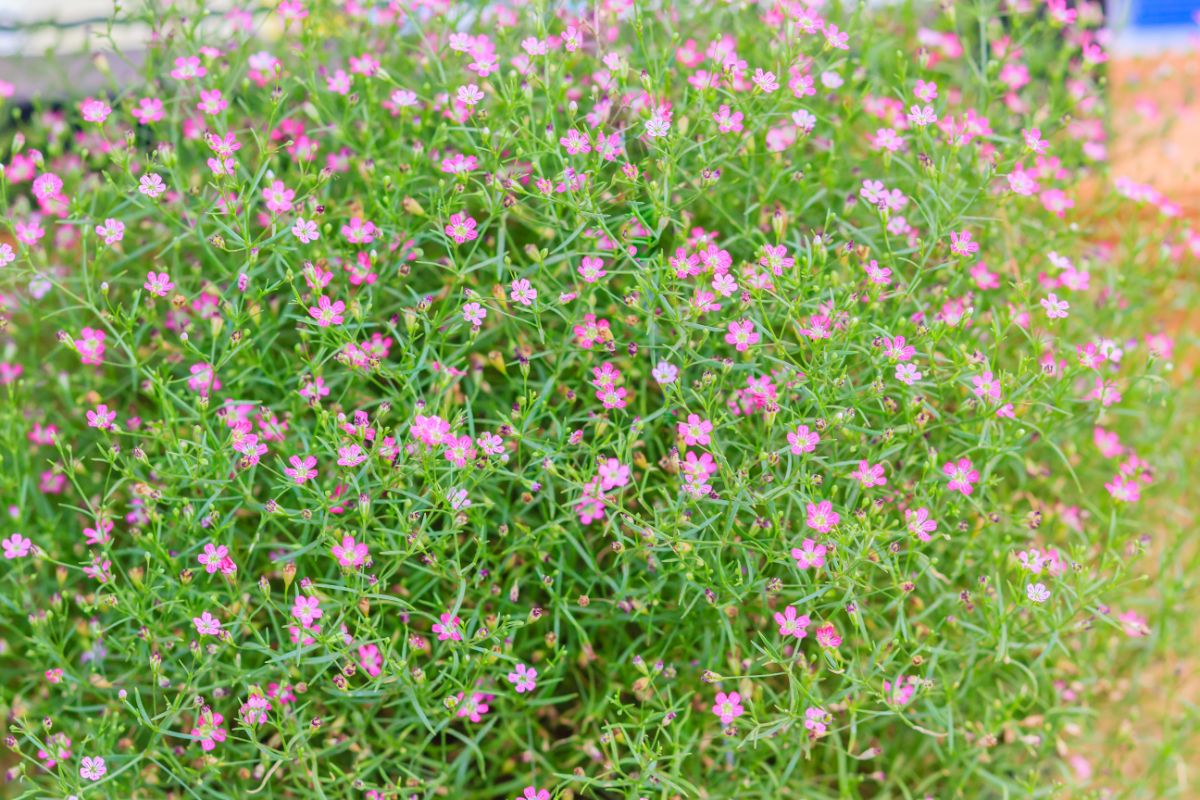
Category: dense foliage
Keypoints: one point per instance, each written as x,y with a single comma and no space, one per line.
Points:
609,400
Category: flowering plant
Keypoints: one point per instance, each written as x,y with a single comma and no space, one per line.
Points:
545,400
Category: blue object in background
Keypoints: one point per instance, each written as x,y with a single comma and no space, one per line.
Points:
1156,13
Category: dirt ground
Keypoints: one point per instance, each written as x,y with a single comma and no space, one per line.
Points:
1146,740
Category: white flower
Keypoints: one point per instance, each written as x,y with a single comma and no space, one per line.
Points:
1037,592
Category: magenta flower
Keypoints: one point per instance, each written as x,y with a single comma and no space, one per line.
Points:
695,431
351,554
278,198
728,707
207,625
208,730
158,283
919,523
307,610
101,418
802,440
827,636
94,110
816,721
461,228
962,475
809,554
216,557
187,68
90,346
16,546
448,628
742,335
474,707
302,469
327,312
370,659
869,475
790,624
821,516
523,678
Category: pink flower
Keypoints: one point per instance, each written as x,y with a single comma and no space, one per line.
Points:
16,546
359,232
187,68
728,121
151,185
472,708
351,554
307,610
149,109
327,313
211,102
101,418
728,707
816,721
448,628
208,730
869,474
987,386
306,230
765,81
821,516
802,440
901,692
278,198
351,455
469,95
908,374
302,469
461,228
575,143
1134,624
112,231
534,793
695,431
523,678
522,292
94,110
460,450
961,244
90,346
919,523
827,636
790,624
204,379
1055,308
742,335
370,659
474,314
809,554
158,283
92,769
962,475
216,557
207,625
592,269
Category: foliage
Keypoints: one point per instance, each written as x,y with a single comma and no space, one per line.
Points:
627,400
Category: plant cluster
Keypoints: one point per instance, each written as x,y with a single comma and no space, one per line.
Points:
601,400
